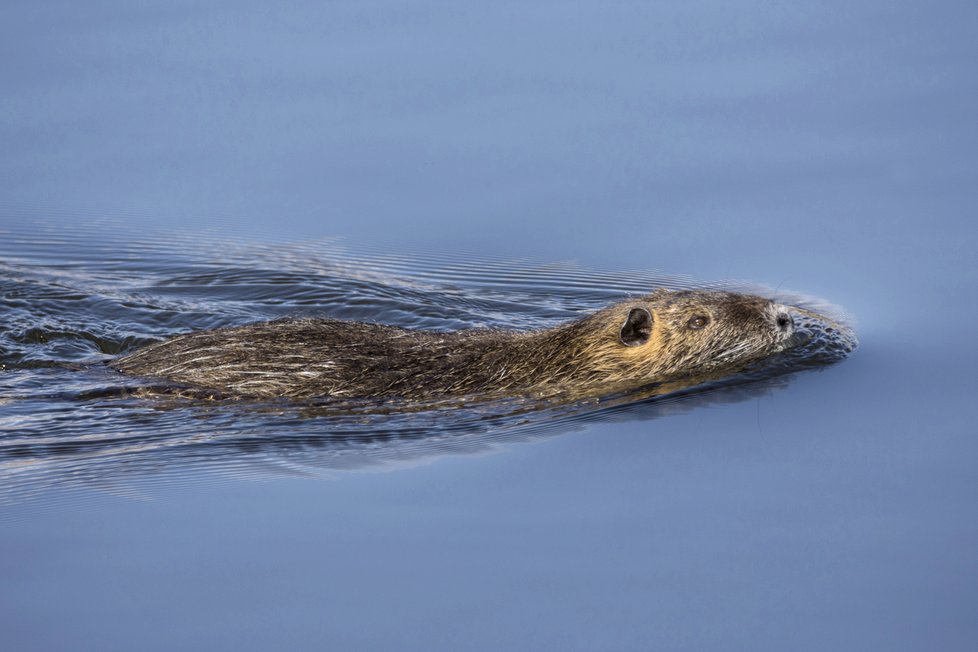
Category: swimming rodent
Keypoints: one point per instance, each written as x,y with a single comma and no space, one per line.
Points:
660,337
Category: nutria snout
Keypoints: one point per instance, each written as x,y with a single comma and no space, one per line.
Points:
656,338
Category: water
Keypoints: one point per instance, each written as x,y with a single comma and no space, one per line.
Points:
437,166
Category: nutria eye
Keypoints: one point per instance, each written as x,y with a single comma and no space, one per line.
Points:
698,322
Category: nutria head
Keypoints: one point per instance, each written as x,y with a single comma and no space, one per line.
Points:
692,332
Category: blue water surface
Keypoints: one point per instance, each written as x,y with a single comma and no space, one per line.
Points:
823,148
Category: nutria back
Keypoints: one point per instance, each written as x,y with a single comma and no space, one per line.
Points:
660,337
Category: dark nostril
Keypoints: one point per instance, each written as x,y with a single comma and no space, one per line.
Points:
784,321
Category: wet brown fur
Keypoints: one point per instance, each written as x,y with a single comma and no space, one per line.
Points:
304,358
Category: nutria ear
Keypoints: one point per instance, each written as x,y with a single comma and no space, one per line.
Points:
637,329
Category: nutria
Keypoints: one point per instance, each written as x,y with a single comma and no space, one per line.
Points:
657,338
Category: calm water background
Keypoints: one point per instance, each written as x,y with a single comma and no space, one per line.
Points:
824,148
